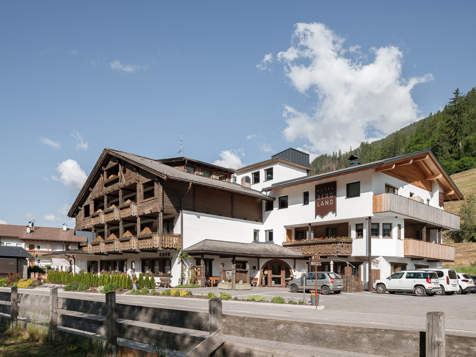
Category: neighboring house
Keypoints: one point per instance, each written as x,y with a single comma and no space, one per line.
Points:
39,240
270,216
12,260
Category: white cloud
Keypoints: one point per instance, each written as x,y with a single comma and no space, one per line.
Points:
266,148
354,101
44,178
2,221
81,145
263,65
73,52
251,137
52,218
230,159
128,68
71,175
64,209
53,144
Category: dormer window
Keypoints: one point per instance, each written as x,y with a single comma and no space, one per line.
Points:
268,174
207,173
190,169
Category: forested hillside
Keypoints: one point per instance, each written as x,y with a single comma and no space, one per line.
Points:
450,134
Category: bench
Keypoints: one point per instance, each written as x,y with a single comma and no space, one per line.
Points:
164,282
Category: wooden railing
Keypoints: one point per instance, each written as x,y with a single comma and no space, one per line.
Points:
171,241
145,242
111,214
97,218
389,202
419,249
321,246
128,210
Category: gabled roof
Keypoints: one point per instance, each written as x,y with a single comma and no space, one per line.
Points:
14,252
41,234
436,174
269,162
163,171
224,248
195,162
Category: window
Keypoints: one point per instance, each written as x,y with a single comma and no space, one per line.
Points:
396,276
269,236
222,177
283,202
269,205
148,190
305,198
86,211
255,176
168,226
353,189
268,174
390,189
255,236
331,232
375,230
359,230
190,169
300,235
156,266
206,173
399,231
387,230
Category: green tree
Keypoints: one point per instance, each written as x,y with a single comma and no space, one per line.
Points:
467,214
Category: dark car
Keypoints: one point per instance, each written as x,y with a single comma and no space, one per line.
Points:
474,280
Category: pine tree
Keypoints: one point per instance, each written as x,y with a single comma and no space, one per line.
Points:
141,281
152,283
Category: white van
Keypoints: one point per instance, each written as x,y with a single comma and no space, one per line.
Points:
448,280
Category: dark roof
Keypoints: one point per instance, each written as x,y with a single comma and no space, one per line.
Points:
41,234
297,156
196,162
361,167
164,171
66,252
262,250
14,252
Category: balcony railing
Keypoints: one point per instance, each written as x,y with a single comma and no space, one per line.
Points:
418,249
144,242
321,247
97,218
128,210
389,202
111,214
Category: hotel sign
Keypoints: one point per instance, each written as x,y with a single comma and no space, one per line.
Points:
326,198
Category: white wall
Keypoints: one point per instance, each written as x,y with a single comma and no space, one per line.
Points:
12,242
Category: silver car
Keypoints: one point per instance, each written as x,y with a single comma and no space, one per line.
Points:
326,282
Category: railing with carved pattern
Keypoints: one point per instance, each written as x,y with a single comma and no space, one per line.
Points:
321,246
111,214
128,210
171,241
109,246
97,218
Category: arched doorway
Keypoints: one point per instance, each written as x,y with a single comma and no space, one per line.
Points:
275,273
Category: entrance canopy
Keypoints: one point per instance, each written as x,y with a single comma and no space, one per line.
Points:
254,250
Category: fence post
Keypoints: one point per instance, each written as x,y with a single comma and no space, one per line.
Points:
111,319
215,315
14,308
53,315
435,334
233,276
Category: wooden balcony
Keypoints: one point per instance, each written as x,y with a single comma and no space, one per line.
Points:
128,210
325,247
111,214
414,248
145,242
389,202
97,218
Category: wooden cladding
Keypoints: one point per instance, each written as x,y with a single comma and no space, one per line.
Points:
389,202
207,200
419,249
322,247
8,265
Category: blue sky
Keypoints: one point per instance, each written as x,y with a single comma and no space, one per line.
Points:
242,79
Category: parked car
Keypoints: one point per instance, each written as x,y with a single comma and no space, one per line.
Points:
326,282
474,281
448,280
419,282
466,283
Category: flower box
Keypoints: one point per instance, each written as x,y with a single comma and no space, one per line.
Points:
224,286
242,287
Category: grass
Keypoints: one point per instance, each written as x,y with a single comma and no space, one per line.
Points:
460,269
466,182
465,255
34,342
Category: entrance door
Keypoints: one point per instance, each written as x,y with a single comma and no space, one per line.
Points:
275,273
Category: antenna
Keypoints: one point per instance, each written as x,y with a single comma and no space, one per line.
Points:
181,140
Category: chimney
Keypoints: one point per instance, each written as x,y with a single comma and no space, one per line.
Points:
64,227
354,161
28,229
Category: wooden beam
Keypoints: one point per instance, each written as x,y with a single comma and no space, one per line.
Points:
385,168
434,177
449,193
403,163
422,158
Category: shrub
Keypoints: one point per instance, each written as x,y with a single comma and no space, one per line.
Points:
82,287
109,287
36,269
176,293
174,290
167,292
224,296
235,298
15,284
262,298
189,286
183,292
144,291
25,283
253,297
211,295
12,278
301,302
163,293
278,300
153,292
292,302
189,293
137,292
